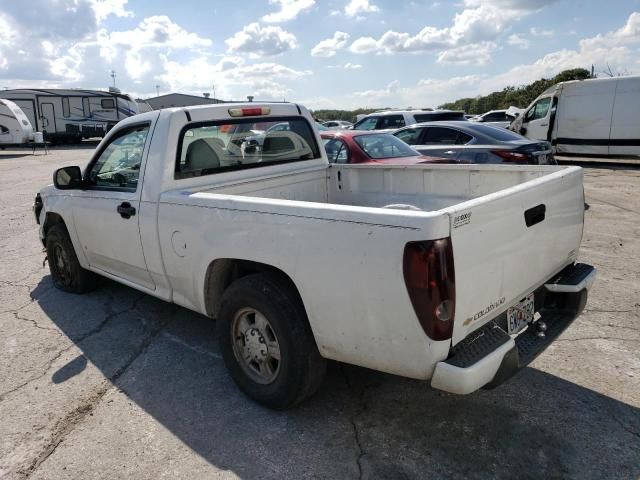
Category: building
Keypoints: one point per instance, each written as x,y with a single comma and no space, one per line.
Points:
179,100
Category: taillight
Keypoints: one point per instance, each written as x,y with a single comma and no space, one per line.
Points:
430,280
513,157
249,112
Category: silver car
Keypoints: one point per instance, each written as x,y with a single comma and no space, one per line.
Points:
470,142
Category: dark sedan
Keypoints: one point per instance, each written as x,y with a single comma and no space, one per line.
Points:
469,142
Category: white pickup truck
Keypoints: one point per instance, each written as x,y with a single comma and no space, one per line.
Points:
461,274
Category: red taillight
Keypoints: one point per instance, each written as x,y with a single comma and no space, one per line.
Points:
249,112
513,157
430,280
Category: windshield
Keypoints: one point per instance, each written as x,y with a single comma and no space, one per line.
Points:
497,133
244,143
384,145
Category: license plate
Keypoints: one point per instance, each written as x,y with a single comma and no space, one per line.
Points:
543,159
520,315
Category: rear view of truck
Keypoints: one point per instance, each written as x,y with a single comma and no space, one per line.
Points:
516,283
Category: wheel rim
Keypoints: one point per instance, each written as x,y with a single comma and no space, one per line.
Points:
255,345
61,265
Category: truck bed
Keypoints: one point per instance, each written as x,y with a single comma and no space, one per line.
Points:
342,206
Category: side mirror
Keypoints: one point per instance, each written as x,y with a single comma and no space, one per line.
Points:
67,178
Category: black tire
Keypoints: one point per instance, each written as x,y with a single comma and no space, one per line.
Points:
301,369
66,272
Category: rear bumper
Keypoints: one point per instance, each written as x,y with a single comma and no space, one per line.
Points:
489,356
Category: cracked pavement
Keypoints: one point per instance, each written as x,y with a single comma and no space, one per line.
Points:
117,384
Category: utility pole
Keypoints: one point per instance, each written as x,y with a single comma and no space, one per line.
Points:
113,75
213,87
157,90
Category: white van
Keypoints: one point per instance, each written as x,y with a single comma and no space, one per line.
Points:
15,127
596,116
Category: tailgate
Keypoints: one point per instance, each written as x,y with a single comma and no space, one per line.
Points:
498,258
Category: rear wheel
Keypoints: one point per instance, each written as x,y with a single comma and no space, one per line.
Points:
66,272
266,341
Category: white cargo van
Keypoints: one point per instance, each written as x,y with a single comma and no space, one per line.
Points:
596,116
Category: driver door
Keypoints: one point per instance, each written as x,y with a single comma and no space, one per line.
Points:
536,121
106,213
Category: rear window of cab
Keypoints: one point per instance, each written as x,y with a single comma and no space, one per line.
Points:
222,146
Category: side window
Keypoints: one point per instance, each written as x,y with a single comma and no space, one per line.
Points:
463,138
540,109
118,166
86,109
368,123
409,136
337,151
108,103
496,117
440,136
390,121
66,111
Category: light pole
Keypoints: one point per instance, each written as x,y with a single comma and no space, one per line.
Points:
113,75
157,90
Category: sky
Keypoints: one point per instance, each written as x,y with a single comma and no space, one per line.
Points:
323,54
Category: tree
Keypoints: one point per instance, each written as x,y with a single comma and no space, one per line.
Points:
520,96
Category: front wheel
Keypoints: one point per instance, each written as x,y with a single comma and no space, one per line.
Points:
66,272
266,341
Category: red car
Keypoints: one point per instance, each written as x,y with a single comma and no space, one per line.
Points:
353,146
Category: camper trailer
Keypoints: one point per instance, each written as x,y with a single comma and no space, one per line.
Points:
15,127
66,116
597,116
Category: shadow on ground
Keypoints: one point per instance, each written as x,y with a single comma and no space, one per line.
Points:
360,424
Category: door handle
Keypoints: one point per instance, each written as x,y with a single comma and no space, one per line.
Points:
535,215
126,210
544,124
449,152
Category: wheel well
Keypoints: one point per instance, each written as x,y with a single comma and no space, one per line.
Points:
224,271
50,220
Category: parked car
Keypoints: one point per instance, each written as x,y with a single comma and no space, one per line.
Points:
496,118
472,142
355,146
391,267
393,119
338,125
596,116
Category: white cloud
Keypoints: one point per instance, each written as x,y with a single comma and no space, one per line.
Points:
232,77
540,33
347,66
477,54
330,46
519,41
358,7
289,9
477,27
258,41
522,5
104,8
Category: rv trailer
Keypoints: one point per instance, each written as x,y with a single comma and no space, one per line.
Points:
67,116
15,127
